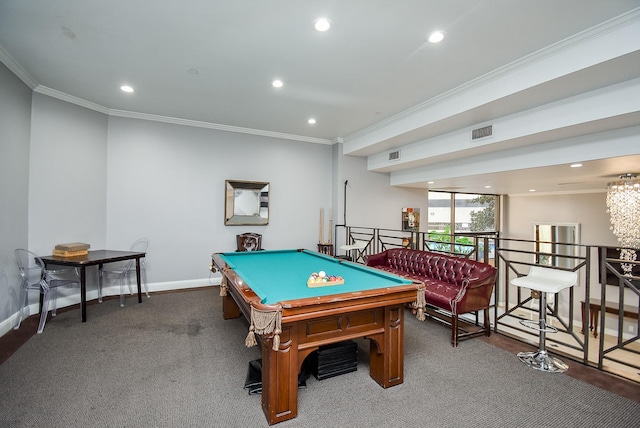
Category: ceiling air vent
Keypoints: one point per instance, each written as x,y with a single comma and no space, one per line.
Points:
486,131
394,155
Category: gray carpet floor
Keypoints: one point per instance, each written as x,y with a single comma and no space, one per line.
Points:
172,361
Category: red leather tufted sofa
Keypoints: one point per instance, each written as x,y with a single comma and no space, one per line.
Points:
453,284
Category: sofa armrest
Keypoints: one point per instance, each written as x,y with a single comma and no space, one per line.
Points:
460,295
476,284
473,283
470,284
475,294
379,259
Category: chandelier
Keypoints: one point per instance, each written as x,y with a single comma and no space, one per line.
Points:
623,204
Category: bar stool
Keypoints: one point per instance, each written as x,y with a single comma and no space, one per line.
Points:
544,280
358,250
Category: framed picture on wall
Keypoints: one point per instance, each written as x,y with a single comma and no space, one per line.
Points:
411,219
246,203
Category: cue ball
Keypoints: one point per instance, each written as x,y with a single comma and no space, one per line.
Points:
322,274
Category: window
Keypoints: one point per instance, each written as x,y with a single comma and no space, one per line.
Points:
466,216
461,212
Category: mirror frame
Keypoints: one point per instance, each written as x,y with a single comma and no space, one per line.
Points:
236,193
563,238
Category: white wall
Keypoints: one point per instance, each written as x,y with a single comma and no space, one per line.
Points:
588,209
15,123
166,182
67,180
371,201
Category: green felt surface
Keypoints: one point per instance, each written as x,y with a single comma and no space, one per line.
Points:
281,275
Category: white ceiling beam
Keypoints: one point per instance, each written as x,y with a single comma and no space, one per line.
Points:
610,40
615,143
596,111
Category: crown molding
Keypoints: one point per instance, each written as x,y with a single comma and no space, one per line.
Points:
592,33
217,126
16,68
70,99
177,121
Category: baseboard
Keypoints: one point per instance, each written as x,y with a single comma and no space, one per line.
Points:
73,298
7,325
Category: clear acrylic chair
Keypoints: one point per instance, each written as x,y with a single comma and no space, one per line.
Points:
47,281
6,305
123,271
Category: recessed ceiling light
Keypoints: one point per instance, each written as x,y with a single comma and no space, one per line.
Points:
126,88
277,83
532,190
436,37
488,186
576,165
430,182
322,24
311,121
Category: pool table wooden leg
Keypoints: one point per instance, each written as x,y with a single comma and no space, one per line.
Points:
280,377
386,355
230,308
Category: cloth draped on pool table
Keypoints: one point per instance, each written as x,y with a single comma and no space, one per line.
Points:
262,322
268,322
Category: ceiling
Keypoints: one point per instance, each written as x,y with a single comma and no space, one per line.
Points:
211,63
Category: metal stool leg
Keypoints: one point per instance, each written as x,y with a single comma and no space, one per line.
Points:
541,360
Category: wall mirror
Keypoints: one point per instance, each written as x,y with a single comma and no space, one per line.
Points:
557,240
246,203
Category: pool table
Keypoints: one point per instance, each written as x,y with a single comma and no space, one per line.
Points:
291,319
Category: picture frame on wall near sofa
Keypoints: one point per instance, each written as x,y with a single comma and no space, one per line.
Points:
411,219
